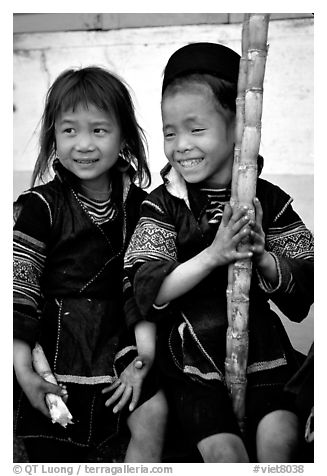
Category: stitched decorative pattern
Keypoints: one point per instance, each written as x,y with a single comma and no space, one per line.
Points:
47,204
85,380
292,241
289,201
26,272
217,201
152,240
28,264
271,364
189,369
154,206
124,351
205,353
59,304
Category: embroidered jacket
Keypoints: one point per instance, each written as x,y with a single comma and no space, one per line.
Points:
172,229
70,293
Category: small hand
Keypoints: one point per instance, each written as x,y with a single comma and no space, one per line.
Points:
257,234
129,384
233,229
64,394
36,388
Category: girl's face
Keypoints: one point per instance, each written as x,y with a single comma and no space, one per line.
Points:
88,141
198,135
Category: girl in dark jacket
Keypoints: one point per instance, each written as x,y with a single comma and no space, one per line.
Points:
70,293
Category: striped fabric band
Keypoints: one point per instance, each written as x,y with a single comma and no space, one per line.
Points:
100,210
217,201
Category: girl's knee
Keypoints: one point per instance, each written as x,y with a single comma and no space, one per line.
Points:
156,408
147,425
278,437
223,448
278,425
150,417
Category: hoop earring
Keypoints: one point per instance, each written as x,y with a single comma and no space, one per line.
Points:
123,162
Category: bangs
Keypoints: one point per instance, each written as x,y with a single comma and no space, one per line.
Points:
81,97
82,91
224,91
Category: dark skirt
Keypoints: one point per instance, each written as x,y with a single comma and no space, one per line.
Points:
204,408
82,337
94,423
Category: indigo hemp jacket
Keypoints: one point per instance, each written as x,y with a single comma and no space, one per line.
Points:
172,229
71,295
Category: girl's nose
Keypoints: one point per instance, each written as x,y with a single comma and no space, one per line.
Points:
84,142
183,143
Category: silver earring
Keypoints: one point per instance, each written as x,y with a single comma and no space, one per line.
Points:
123,160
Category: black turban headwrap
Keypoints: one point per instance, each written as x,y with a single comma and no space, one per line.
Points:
211,58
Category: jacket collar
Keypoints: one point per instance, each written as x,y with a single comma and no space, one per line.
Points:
191,194
195,200
175,184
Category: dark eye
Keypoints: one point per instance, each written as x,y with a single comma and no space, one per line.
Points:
69,130
169,135
99,131
197,129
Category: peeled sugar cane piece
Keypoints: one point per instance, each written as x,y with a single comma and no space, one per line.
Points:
58,410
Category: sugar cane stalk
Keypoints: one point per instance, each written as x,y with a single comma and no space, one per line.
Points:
240,105
58,410
244,179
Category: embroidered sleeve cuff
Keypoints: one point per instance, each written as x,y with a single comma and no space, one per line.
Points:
287,281
284,277
159,308
157,313
147,282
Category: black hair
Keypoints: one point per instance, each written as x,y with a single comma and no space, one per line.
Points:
106,91
225,92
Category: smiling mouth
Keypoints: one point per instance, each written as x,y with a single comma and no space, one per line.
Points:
85,161
189,163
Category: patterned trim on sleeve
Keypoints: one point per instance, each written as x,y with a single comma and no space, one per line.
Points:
268,287
29,259
154,206
126,284
291,241
152,240
47,204
283,209
124,351
163,306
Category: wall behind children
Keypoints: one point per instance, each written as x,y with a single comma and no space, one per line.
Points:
137,46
